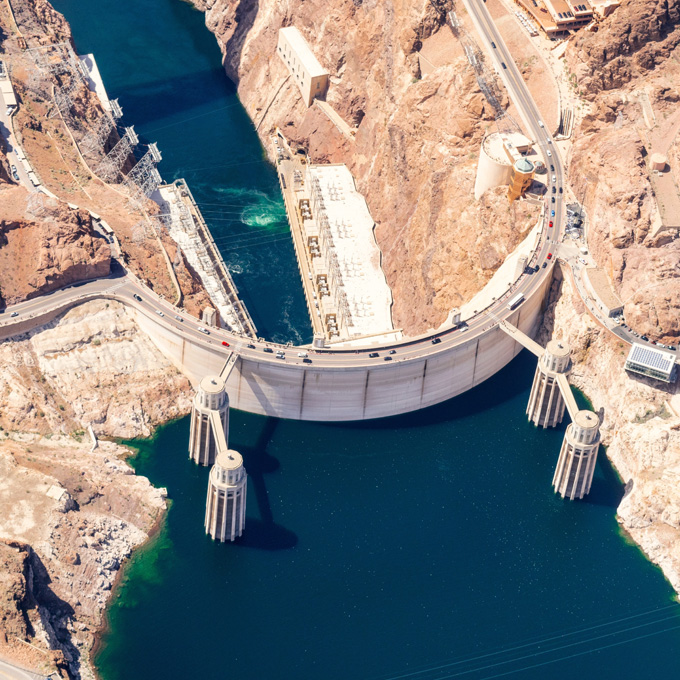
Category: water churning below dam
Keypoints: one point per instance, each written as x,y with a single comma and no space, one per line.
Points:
427,546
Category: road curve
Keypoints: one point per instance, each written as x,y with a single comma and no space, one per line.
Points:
123,286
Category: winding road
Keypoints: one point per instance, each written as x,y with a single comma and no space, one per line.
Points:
123,286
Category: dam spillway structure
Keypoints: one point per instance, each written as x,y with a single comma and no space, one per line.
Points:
209,420
578,455
546,404
225,506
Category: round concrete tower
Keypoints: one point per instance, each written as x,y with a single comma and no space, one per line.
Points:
576,464
546,405
210,409
225,507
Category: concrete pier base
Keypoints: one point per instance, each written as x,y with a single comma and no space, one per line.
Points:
576,464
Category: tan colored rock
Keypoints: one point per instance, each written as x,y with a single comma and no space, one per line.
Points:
416,146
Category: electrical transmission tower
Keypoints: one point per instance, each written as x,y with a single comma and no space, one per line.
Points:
102,129
110,167
144,178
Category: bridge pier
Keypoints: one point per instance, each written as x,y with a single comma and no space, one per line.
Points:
209,420
546,402
578,455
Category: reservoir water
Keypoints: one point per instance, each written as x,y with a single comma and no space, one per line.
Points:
425,547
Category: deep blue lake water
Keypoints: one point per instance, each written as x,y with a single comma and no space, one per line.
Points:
422,547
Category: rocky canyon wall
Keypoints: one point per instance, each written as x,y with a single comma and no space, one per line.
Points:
416,145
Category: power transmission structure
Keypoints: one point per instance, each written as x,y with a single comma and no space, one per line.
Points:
111,166
96,138
144,178
485,79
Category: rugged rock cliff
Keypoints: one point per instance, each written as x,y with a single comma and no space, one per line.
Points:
74,514
632,211
416,145
632,41
46,250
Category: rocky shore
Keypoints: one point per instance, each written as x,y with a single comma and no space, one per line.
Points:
70,514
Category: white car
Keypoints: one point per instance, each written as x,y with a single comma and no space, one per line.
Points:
303,355
158,311
540,122
203,330
549,152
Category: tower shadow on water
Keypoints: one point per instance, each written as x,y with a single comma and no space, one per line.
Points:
263,533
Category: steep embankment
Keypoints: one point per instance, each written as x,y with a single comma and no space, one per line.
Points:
629,70
75,514
416,145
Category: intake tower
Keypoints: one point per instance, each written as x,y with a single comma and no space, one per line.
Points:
209,413
225,507
546,403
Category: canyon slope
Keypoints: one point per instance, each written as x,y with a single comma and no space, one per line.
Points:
414,154
629,76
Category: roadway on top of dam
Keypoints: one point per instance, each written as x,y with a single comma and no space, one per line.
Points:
123,286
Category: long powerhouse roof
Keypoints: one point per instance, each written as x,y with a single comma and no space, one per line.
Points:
651,358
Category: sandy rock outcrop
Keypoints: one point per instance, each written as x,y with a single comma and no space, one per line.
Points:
69,517
41,252
630,42
417,141
90,366
641,427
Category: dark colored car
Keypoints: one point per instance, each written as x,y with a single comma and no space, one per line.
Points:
137,297
554,190
493,44
552,199
268,349
393,351
249,346
436,341
644,337
387,358
306,361
373,355
545,264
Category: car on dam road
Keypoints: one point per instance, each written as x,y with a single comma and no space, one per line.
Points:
373,355
225,343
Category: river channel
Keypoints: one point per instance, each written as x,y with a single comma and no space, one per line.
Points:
422,547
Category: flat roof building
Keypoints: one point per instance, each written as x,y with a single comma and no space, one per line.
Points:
557,17
598,285
652,362
310,77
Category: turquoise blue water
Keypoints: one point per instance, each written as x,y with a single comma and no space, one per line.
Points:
427,546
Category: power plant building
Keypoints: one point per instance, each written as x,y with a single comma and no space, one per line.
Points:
310,77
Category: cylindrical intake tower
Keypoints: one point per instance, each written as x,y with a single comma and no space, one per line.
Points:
211,397
225,507
578,455
546,405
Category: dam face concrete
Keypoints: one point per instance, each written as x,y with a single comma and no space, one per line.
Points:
303,392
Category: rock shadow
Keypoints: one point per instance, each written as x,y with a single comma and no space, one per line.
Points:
607,489
263,533
55,614
244,17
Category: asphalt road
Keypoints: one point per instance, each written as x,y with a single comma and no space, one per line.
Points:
11,145
124,287
9,672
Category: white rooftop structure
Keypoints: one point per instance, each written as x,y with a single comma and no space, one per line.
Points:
301,48
652,362
358,256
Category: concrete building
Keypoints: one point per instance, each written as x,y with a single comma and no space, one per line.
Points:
597,284
7,90
546,404
658,162
497,159
225,506
576,464
310,77
209,429
652,362
558,17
